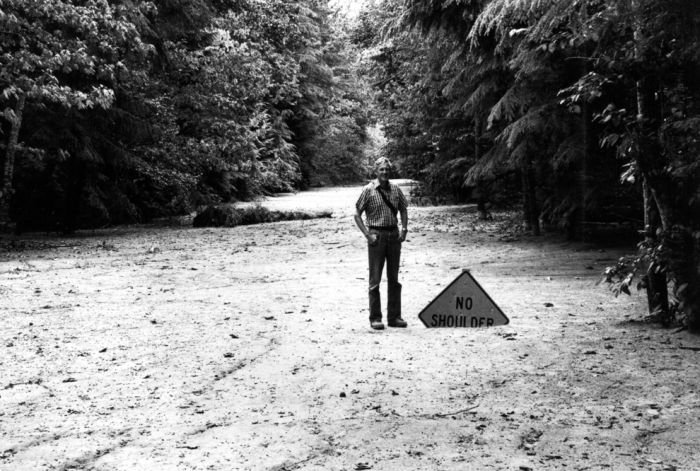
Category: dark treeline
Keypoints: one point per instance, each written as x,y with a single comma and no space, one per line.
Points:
583,111
121,111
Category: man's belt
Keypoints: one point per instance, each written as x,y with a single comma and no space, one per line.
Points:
383,228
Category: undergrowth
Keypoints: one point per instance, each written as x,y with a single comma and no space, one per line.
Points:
228,216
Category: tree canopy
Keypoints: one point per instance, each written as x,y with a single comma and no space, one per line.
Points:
123,111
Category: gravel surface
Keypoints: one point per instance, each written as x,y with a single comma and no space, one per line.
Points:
248,348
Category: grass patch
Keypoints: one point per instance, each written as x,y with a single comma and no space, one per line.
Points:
228,216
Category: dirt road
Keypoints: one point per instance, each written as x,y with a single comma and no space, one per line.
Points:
248,348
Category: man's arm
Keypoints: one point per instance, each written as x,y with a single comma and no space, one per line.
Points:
372,238
403,204
404,224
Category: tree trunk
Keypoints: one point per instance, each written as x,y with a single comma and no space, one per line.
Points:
649,158
587,118
526,201
532,220
691,295
482,199
6,189
656,215
655,281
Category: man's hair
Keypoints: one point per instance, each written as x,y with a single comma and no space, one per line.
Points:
383,161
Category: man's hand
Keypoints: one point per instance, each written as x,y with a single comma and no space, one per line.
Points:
372,238
402,235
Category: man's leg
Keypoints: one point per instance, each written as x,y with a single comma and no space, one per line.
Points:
393,260
377,254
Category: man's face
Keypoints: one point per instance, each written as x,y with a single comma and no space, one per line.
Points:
383,172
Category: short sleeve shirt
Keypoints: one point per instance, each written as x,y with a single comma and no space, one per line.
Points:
376,211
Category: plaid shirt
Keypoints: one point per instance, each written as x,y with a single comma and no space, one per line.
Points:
376,210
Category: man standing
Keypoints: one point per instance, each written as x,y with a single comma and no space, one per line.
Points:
380,200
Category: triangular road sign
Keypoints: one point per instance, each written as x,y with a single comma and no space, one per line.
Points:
464,303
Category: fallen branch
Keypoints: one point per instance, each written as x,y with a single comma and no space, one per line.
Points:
461,411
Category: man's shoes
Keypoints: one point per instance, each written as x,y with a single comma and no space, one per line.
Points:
376,325
398,322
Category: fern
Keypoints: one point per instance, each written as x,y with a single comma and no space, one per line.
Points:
494,162
535,122
569,152
500,16
514,102
480,97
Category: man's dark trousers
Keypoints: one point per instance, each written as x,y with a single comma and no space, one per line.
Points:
387,247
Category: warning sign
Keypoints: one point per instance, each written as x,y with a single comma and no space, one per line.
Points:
464,303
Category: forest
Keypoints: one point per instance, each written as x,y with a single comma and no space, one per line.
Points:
576,112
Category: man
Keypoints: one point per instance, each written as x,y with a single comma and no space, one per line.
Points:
380,200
